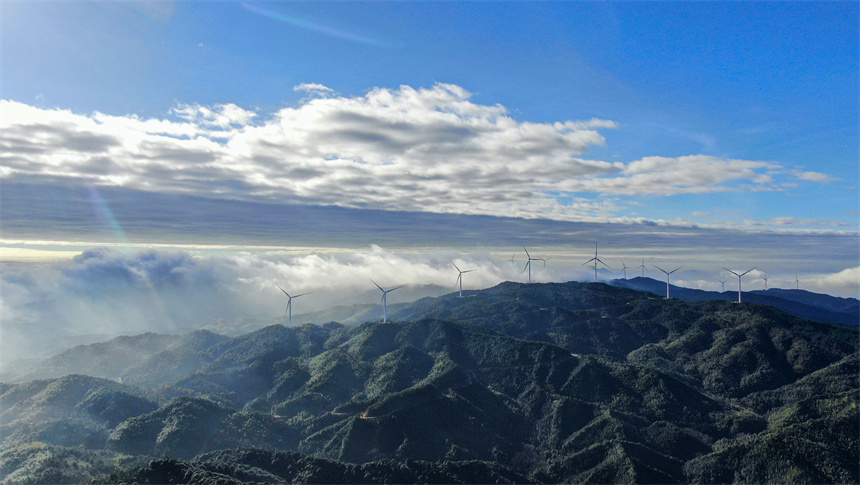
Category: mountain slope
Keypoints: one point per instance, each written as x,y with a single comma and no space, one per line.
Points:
552,383
800,303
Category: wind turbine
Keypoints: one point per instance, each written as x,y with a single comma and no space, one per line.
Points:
739,279
765,281
529,263
667,277
796,282
385,299
596,260
641,266
289,309
723,282
460,277
624,269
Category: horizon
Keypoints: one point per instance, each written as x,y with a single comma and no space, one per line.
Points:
210,150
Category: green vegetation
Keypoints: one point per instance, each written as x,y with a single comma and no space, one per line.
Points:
545,383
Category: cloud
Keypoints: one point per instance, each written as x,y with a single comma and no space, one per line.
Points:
107,292
814,177
314,89
793,222
845,282
406,149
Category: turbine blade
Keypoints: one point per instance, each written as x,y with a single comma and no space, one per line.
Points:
279,287
301,294
676,269
661,269
458,268
377,285
730,271
527,252
747,271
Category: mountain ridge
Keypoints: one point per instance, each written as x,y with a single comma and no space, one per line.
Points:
542,383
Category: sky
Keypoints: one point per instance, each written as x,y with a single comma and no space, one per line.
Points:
274,135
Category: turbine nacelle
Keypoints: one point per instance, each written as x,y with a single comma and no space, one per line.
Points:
528,265
289,309
667,277
460,277
385,299
739,279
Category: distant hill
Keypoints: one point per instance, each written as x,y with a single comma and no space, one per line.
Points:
802,303
551,383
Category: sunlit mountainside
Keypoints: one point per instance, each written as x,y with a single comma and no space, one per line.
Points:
549,383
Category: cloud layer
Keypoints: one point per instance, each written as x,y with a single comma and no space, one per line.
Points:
405,149
103,291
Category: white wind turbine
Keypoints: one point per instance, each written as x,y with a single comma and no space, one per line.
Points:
289,309
624,269
385,299
596,260
723,282
667,277
529,263
764,277
796,282
739,279
460,277
642,266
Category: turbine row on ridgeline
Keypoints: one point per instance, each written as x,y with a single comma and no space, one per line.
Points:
288,312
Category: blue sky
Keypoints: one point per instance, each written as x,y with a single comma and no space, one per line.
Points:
703,132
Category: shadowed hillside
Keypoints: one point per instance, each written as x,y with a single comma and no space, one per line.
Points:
801,303
545,383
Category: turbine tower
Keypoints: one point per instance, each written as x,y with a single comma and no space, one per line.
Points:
385,299
529,263
667,277
642,266
596,260
624,269
765,281
460,277
723,282
739,279
796,282
289,310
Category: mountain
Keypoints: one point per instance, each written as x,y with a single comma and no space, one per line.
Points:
801,303
566,382
67,411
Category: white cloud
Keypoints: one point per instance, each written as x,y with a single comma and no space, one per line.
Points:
103,291
314,88
846,281
432,150
814,176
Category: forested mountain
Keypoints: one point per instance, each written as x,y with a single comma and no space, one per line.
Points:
801,303
564,382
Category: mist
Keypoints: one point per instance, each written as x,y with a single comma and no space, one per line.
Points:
102,292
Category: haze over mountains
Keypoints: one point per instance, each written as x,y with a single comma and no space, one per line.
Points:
515,383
